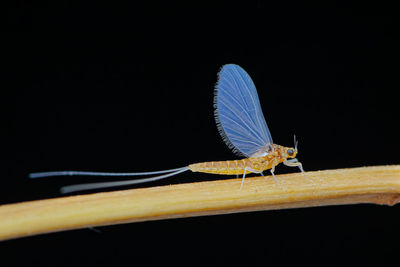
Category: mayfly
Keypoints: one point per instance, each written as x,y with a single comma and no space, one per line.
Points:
242,126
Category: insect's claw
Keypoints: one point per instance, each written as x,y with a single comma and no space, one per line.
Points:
304,174
241,185
307,178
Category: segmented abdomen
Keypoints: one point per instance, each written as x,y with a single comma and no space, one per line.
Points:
226,167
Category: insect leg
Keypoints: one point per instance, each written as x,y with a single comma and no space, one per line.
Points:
295,163
276,180
244,175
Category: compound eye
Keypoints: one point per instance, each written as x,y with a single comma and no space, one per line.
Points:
290,152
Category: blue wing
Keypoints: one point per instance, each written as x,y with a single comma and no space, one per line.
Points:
238,112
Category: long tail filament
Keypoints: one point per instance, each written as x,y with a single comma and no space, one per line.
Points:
89,186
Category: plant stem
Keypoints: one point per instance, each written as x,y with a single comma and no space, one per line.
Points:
379,185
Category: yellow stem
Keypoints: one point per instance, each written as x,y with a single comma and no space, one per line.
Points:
379,185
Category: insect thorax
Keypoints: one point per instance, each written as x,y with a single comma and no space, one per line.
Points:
274,155
263,151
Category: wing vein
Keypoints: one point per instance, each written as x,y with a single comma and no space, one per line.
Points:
238,112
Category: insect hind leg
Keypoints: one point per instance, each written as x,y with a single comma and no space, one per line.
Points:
262,174
244,175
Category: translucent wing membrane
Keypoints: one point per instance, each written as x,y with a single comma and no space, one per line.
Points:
238,112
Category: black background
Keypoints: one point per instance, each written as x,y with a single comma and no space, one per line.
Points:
129,87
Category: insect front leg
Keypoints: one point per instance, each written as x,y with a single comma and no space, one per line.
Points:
295,163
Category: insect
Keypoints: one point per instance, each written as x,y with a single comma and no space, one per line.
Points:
242,126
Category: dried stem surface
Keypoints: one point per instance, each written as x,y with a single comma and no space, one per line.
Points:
379,185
